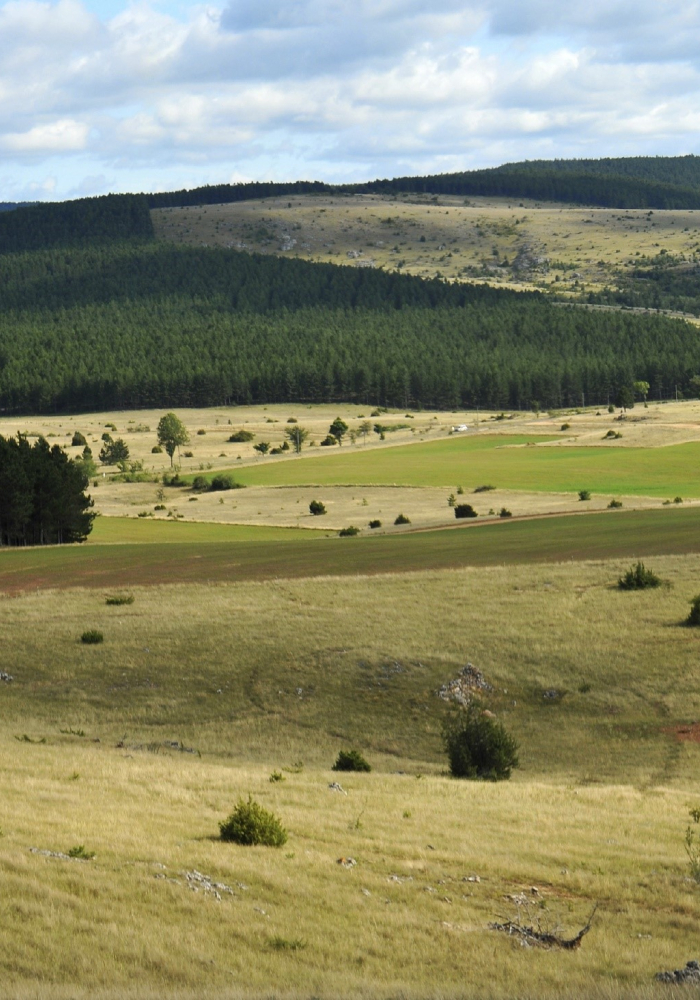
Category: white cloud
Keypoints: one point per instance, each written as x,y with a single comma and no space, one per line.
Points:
334,88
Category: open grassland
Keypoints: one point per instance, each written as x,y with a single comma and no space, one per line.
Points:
260,677
527,244
179,553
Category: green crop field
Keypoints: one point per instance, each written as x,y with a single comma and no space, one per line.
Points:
506,462
206,555
108,530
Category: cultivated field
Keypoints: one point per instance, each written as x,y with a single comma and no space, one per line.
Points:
524,244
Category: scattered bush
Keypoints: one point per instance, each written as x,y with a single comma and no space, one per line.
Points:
172,479
200,483
465,510
460,491
614,504
188,454
483,489
292,420
402,519
612,435
250,824
275,777
156,450
584,494
262,447
316,507
201,432
80,852
611,408
241,436
451,500
328,441
694,614
478,746
375,524
504,512
638,578
678,499
565,427
223,481
119,599
91,637
79,440
349,532
351,760
159,506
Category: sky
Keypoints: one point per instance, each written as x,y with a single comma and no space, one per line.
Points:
112,95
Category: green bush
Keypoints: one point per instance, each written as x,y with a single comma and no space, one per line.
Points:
479,747
694,614
638,577
119,599
351,760
250,824
200,484
328,441
375,524
584,494
241,436
504,512
80,852
78,440
402,519
317,507
614,504
484,489
222,481
156,450
465,510
92,637
349,532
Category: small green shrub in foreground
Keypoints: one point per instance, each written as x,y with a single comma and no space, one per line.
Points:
80,852
376,523
222,481
638,577
402,519
250,824
478,746
92,637
584,494
351,760
349,532
317,507
694,615
119,599
465,510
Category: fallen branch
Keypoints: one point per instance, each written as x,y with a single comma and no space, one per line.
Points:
543,939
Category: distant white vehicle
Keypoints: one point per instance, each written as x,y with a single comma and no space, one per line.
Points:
460,427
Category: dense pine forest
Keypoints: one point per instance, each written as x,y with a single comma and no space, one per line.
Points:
144,324
42,498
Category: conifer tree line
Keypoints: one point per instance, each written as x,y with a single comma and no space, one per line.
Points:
42,495
153,325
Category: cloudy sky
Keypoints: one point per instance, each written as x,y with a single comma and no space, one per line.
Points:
112,95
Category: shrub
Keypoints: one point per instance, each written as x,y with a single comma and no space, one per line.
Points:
504,512
201,432
484,489
328,441
292,420
678,499
694,614
611,408
451,500
478,746
375,524
349,532
465,510
119,599
614,504
250,824
638,578
156,450
565,427
91,637
351,760
222,481
78,440
188,454
316,507
402,519
584,494
80,852
199,483
241,436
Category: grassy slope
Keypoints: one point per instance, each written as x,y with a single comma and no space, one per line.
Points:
623,534
228,670
472,461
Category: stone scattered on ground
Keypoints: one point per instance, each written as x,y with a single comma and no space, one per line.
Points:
347,862
6,677
335,786
690,974
460,689
55,854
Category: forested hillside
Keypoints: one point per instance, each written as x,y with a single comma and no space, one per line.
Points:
628,182
75,223
131,325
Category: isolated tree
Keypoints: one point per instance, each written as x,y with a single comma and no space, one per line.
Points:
114,452
695,383
171,434
365,428
262,447
296,435
642,389
625,397
338,429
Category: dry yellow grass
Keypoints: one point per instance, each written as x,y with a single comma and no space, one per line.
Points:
458,238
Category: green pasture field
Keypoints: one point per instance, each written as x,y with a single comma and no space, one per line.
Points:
137,748
474,460
206,554
106,530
